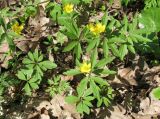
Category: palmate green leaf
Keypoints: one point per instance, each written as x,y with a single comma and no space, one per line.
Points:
150,19
72,72
48,64
156,93
70,46
71,99
103,62
82,87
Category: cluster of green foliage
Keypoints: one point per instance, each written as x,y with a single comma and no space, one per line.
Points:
119,38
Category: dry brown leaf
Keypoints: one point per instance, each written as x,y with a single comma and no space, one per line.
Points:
56,104
127,76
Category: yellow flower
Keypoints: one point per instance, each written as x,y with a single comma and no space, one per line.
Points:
17,28
91,27
100,27
96,29
68,8
85,68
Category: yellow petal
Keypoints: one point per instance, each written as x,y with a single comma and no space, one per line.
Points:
68,8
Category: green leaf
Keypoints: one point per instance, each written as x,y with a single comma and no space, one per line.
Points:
89,104
33,79
36,55
82,87
30,55
21,75
99,81
105,48
72,72
104,61
89,98
150,19
31,10
48,64
80,107
106,101
71,99
78,51
27,61
34,85
38,69
75,2
86,108
94,57
88,92
99,103
114,49
40,58
56,12
95,89
70,46
140,38
119,39
156,93
2,22
27,89
125,20
105,18
91,45
123,51
105,71
131,48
